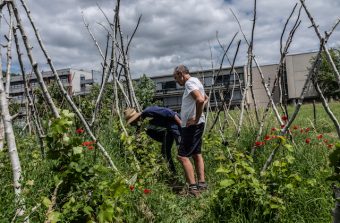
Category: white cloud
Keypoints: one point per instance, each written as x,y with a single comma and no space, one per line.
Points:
173,32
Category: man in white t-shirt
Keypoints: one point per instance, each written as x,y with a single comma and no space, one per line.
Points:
193,101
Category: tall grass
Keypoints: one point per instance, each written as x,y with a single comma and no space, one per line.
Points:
311,202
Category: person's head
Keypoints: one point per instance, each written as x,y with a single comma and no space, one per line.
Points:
181,74
132,116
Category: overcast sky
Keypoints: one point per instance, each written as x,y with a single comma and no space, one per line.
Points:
174,31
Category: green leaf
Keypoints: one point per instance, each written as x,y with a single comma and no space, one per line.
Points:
290,159
54,217
105,213
46,202
123,137
337,145
289,186
66,140
282,139
276,163
289,147
226,183
67,113
77,150
221,169
275,206
311,182
87,210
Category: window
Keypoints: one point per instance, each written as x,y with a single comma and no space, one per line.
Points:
172,101
169,85
208,81
222,79
158,86
237,95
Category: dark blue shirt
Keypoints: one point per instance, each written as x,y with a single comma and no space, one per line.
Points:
162,117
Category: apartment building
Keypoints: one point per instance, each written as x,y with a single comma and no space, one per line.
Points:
76,82
228,84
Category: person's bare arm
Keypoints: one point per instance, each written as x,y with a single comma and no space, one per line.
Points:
200,99
206,99
178,120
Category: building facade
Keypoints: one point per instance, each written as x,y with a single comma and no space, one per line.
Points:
76,82
226,87
227,84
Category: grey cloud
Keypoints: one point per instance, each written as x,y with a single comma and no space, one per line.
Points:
173,32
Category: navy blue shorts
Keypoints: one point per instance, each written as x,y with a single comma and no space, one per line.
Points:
191,140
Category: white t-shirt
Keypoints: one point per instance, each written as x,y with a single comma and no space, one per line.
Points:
188,108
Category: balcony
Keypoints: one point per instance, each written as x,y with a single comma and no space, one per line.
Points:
86,81
169,92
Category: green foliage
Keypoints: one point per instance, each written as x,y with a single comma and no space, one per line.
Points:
259,197
334,163
293,189
326,77
87,192
241,190
145,91
147,154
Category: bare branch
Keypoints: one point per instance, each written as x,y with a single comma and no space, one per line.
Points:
328,56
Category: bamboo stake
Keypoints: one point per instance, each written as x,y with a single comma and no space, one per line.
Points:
232,68
326,106
283,51
315,69
2,128
64,92
39,129
250,64
34,64
106,72
11,144
129,85
9,51
53,202
316,29
215,77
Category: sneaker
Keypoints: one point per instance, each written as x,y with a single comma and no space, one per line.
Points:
202,186
193,191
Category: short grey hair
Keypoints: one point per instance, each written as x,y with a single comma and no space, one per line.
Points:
181,68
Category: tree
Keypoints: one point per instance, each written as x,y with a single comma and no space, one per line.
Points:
145,91
326,77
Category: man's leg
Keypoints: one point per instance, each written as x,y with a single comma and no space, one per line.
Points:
188,169
199,166
166,151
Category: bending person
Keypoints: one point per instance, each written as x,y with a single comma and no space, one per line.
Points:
164,127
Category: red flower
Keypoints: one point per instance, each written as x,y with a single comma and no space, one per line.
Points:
295,127
282,126
79,131
258,144
273,129
308,140
132,188
319,136
87,143
307,129
330,146
284,118
147,191
267,137
301,130
90,147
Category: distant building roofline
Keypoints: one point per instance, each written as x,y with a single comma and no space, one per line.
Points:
299,53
